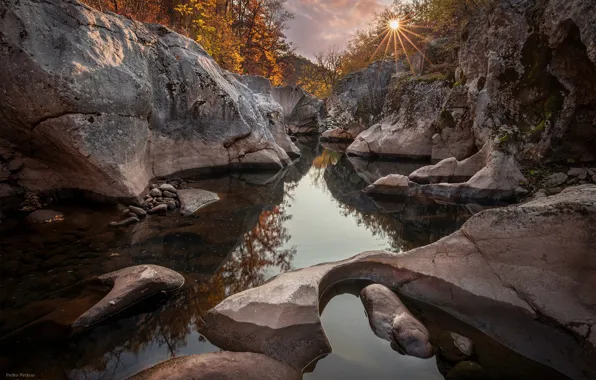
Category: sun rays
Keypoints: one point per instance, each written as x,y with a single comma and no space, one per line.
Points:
397,35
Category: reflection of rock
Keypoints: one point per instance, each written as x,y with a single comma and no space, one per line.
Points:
504,267
130,286
391,320
192,200
221,366
467,371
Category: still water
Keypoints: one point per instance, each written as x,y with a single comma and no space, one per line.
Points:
264,224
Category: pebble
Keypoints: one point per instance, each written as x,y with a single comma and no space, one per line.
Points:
155,193
159,208
167,187
154,186
171,205
455,347
168,194
138,211
125,222
554,190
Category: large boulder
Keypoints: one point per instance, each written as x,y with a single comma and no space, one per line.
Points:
523,275
302,112
221,366
272,111
407,129
358,98
99,102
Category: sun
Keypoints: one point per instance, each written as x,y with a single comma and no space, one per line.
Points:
394,24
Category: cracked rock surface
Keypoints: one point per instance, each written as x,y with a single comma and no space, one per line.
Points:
98,102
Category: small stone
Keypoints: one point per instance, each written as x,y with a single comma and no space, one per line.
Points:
158,200
147,196
154,186
592,171
167,187
466,370
125,222
112,303
168,194
555,180
138,211
455,347
159,208
155,193
554,190
149,200
171,205
580,173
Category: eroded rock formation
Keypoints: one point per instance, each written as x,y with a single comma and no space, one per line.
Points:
98,102
302,112
521,274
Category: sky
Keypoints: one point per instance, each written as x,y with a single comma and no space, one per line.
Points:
319,24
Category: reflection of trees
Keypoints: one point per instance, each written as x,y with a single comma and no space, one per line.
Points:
321,162
259,250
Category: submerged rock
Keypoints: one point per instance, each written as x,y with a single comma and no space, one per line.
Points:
191,200
220,366
391,320
455,347
130,286
132,219
44,216
467,370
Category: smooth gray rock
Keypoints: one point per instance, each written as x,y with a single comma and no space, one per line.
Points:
191,200
103,103
221,366
580,173
167,194
155,193
302,112
130,286
171,205
167,187
391,320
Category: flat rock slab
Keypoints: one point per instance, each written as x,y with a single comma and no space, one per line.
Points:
191,200
130,286
220,366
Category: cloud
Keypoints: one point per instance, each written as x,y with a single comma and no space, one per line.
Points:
319,24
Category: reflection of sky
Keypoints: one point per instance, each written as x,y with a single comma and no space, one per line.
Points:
359,354
319,231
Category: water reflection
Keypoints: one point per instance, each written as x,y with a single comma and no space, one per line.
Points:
263,225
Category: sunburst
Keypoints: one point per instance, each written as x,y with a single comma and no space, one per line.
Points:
398,34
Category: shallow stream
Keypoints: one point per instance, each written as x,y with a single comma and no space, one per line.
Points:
264,224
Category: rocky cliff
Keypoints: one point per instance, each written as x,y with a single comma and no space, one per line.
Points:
523,87
98,102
